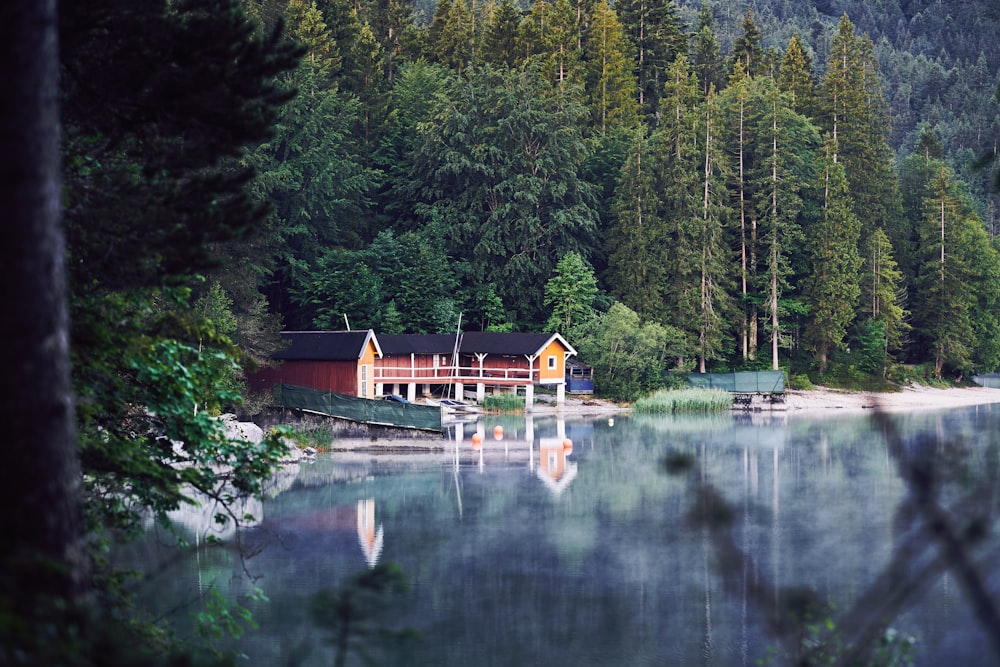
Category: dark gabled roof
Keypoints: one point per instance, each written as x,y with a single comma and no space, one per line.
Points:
326,345
405,344
488,342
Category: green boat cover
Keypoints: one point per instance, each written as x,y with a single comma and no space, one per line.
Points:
364,410
742,382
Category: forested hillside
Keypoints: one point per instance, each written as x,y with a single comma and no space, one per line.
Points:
777,183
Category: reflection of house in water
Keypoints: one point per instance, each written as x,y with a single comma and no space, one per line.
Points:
369,536
338,522
554,469
548,459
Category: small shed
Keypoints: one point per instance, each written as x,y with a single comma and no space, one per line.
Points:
342,362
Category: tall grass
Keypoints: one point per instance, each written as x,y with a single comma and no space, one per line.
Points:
668,401
503,403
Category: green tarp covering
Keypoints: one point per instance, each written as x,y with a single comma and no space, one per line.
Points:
366,410
989,380
743,382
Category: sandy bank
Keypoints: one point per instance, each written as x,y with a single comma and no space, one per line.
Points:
914,397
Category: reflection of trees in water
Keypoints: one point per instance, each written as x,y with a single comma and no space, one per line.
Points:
941,526
352,615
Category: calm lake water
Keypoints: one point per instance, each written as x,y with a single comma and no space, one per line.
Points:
625,541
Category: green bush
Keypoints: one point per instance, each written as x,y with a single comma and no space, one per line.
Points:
800,382
503,403
684,400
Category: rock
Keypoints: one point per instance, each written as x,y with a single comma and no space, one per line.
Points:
237,430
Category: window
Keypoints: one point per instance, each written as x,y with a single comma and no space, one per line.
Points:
552,363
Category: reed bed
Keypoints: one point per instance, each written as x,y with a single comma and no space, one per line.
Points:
670,401
503,403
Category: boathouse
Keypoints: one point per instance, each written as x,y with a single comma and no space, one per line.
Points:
485,361
341,362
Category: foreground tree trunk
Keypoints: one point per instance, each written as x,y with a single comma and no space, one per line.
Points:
42,541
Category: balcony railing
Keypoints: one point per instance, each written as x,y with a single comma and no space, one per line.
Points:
451,374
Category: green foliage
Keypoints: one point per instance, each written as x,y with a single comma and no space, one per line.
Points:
570,293
873,348
503,403
496,180
629,356
799,382
158,101
219,619
684,401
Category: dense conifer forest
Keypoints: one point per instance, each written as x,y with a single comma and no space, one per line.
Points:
672,186
768,184
705,185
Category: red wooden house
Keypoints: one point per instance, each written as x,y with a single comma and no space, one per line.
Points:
342,362
487,360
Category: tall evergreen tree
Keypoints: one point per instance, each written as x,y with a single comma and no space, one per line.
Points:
947,284
636,242
390,22
784,141
882,292
452,34
715,275
500,35
795,78
496,179
550,33
748,54
655,28
706,59
832,288
570,294
856,116
739,118
679,167
610,83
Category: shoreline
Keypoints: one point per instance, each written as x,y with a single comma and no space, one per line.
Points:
821,399
912,397
817,402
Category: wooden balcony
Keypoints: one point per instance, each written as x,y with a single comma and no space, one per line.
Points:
496,376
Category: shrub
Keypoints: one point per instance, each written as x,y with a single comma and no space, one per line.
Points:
685,400
503,403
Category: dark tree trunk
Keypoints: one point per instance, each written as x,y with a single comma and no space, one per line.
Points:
41,530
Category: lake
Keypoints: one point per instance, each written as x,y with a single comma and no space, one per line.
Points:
630,540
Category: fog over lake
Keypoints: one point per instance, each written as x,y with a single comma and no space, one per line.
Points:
629,540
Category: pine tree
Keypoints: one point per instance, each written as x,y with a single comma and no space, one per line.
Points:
500,36
783,141
738,118
679,168
550,33
636,242
654,27
611,85
570,293
831,289
748,54
309,29
714,267
452,34
390,22
856,117
795,78
882,292
945,291
706,60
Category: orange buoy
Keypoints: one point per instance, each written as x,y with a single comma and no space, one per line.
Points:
477,441
568,446
498,432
